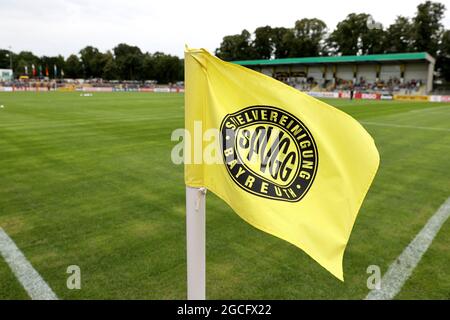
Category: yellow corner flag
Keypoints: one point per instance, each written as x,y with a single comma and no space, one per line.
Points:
287,163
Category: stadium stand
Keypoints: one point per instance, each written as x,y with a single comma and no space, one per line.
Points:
402,73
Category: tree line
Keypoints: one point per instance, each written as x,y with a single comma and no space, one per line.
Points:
357,34
123,62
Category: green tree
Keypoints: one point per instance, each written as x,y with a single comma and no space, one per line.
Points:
129,61
73,68
352,36
443,59
263,44
5,59
165,68
24,59
280,40
427,26
373,41
399,36
50,62
345,39
180,76
306,39
110,70
236,47
91,59
148,67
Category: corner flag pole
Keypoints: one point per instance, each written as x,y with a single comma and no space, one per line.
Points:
195,243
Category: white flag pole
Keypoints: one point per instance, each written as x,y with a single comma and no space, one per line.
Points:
195,243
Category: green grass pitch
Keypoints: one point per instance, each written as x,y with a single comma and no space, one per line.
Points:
89,181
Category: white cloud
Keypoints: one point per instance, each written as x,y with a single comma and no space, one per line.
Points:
65,26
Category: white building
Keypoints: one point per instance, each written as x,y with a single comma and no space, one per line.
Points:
6,74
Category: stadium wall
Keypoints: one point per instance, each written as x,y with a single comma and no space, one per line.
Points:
319,94
378,96
91,89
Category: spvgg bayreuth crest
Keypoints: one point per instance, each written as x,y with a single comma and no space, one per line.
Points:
269,153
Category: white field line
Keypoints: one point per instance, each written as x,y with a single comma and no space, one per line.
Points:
30,279
401,269
384,124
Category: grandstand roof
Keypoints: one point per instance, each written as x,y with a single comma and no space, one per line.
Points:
373,58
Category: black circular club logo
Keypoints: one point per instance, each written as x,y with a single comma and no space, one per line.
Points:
269,153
